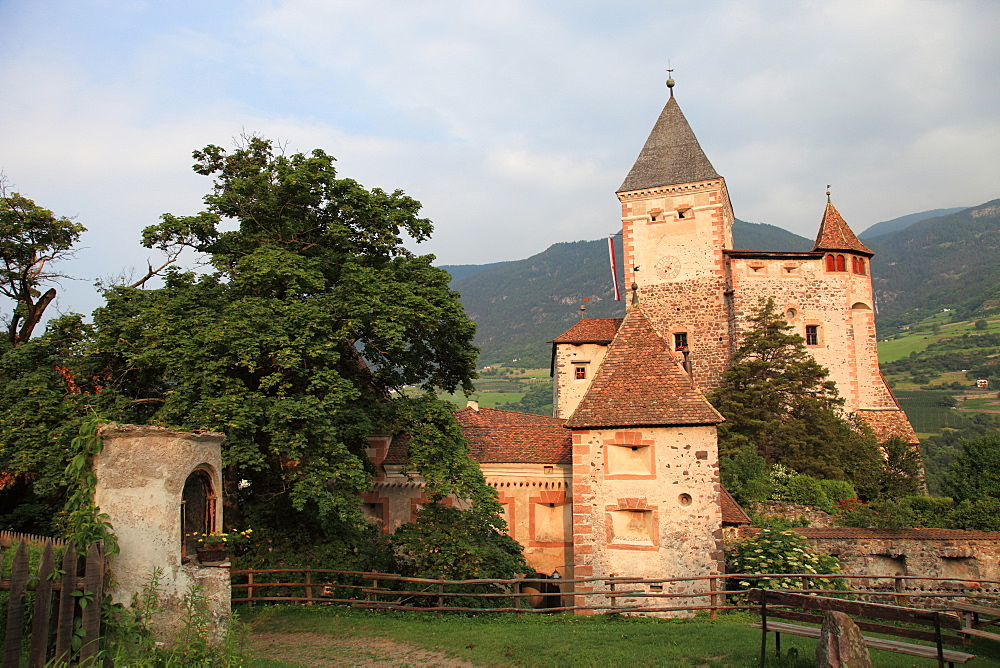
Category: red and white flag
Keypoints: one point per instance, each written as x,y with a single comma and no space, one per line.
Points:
614,269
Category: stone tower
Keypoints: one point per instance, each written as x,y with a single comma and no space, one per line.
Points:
676,224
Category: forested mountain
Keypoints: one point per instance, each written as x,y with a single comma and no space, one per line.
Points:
520,306
950,261
901,223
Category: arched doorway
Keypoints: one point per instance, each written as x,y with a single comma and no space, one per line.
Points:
197,509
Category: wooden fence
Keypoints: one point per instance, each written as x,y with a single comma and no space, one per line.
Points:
62,593
606,595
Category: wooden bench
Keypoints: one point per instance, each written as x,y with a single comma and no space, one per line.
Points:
972,622
808,608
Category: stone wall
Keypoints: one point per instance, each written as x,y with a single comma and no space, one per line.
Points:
646,505
673,241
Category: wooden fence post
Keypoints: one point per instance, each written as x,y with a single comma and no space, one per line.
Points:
67,606
898,587
43,610
93,584
440,598
15,608
309,589
713,588
611,586
250,589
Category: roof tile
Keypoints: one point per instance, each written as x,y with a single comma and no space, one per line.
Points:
590,330
836,234
670,155
639,383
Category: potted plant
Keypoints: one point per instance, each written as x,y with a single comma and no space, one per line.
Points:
213,548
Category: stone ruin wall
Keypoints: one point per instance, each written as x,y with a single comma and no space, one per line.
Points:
951,555
141,473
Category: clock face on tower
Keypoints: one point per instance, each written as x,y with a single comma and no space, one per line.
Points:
668,267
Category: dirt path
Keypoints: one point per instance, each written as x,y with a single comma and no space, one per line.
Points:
320,649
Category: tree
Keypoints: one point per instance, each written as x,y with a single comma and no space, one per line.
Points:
777,399
982,324
299,343
974,474
32,239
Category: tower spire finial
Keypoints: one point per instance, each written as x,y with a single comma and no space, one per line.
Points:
670,79
827,193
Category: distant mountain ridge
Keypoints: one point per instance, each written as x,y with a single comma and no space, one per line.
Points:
520,306
901,223
926,263
950,261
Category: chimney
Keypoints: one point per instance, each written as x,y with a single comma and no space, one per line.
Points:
473,404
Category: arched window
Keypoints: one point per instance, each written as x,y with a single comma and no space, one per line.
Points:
861,266
831,264
841,263
197,509
854,264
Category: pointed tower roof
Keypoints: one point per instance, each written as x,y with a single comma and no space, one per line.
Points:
836,235
671,154
639,383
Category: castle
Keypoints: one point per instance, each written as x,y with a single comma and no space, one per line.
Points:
624,478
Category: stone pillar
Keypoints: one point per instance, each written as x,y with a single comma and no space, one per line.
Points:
141,476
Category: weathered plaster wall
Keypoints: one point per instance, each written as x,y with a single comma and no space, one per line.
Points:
646,504
567,389
141,472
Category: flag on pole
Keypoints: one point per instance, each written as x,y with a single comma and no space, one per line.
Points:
614,269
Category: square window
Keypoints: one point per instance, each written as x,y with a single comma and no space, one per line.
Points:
680,341
812,335
580,372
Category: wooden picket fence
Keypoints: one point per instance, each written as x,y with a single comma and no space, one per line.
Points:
59,592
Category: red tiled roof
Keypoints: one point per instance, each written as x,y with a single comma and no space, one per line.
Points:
639,383
499,436
732,513
835,234
590,330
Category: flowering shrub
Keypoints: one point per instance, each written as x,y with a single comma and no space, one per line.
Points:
772,551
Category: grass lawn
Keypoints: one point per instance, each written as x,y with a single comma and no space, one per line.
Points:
328,635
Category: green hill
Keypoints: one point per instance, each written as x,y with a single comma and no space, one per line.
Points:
901,223
950,261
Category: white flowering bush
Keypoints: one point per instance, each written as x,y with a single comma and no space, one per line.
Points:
774,552
779,476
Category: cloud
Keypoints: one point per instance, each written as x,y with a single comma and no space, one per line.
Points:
513,122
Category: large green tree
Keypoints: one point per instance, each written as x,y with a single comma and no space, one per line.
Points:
298,345
974,474
778,401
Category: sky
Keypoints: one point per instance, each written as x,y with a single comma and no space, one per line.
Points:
512,121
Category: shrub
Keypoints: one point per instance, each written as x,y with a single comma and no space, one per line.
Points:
807,491
838,490
453,544
983,515
773,551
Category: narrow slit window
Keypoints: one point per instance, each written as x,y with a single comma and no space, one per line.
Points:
684,213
